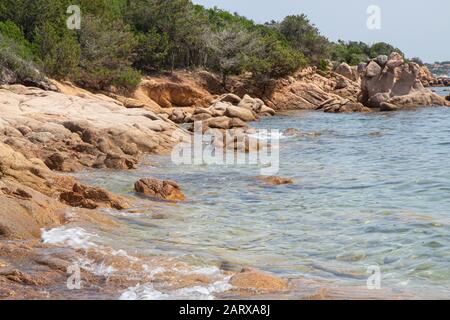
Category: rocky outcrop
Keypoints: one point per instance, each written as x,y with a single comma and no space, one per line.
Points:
173,92
29,194
161,189
426,77
397,83
310,89
342,106
69,132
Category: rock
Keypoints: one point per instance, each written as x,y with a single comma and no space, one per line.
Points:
395,60
266,111
231,98
381,60
177,116
250,279
201,117
447,98
247,102
91,198
169,94
343,106
274,180
218,123
373,69
345,70
290,132
118,162
384,106
241,113
398,84
161,189
55,162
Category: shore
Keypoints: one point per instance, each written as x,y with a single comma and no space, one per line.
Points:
47,135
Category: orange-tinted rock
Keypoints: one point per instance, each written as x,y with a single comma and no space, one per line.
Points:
91,198
162,189
274,180
250,279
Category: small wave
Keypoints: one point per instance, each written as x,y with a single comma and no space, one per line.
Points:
265,135
77,238
148,292
98,269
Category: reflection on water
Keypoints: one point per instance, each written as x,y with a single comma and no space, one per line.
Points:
371,189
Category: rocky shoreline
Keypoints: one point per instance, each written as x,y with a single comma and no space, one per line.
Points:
45,134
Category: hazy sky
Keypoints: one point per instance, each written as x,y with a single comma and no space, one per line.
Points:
418,27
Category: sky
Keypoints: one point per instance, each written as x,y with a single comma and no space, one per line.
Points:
417,27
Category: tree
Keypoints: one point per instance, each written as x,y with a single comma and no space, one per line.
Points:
229,47
383,48
304,36
58,50
107,54
273,59
152,50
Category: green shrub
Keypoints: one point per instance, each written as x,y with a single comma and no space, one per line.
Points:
107,54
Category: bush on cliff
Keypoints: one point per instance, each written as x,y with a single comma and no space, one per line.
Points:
354,52
304,36
119,38
16,55
58,49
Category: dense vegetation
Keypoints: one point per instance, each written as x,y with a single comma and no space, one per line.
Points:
119,40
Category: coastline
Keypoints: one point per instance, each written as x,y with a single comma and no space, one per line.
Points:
75,129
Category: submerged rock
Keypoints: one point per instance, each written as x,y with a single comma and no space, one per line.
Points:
251,279
162,189
275,180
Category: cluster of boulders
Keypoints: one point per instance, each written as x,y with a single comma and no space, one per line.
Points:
226,112
389,83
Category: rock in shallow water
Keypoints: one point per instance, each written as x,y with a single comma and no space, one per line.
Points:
251,279
274,180
162,189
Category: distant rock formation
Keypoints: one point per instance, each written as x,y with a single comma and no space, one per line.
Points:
394,82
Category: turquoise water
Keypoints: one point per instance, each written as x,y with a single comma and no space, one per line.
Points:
371,189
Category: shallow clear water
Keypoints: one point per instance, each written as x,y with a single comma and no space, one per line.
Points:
371,189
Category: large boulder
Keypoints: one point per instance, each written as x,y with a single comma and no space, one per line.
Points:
345,70
395,83
161,189
241,113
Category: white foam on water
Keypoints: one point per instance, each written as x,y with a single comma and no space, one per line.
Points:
77,238
143,292
148,292
98,269
267,135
